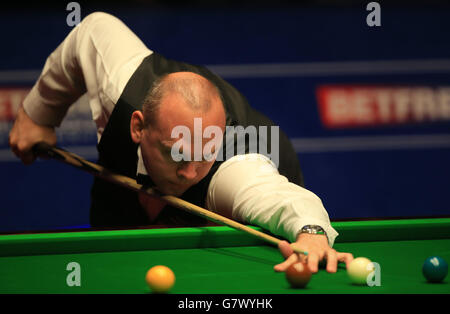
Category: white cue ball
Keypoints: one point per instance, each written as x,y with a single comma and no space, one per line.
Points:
359,269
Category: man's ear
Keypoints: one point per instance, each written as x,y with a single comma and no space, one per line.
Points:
137,126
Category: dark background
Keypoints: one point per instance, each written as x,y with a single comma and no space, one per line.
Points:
359,182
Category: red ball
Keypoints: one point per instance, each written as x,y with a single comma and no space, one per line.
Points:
298,275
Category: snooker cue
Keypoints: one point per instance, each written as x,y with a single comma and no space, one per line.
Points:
43,149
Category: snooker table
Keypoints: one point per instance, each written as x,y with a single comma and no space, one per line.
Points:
216,260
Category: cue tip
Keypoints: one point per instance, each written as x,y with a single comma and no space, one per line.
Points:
298,250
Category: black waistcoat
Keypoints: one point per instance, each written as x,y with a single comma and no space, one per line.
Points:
115,206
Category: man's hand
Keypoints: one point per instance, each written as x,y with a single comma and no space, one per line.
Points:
25,133
318,251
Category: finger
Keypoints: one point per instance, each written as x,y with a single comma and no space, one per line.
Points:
332,260
345,258
28,158
25,154
313,262
285,249
285,265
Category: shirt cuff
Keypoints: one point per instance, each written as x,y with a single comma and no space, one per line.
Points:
300,223
40,111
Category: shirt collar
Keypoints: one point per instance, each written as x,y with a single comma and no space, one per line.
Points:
142,176
140,165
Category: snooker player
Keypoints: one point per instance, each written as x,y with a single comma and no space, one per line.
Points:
138,98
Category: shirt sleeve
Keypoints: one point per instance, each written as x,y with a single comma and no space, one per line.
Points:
98,57
249,189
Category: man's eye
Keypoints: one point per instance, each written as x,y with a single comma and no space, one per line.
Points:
177,159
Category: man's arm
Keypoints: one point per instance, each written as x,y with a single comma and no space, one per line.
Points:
249,188
97,57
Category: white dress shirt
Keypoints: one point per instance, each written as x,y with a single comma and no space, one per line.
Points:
98,57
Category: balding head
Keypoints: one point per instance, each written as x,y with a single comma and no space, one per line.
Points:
183,113
197,93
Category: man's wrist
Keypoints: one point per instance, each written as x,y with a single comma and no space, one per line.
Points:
313,230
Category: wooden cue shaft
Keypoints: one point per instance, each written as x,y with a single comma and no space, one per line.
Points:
43,149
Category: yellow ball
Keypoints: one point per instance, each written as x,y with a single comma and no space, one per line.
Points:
359,270
160,279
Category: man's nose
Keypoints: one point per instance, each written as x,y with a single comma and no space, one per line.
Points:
187,170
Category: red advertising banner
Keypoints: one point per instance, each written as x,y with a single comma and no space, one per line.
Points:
345,106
